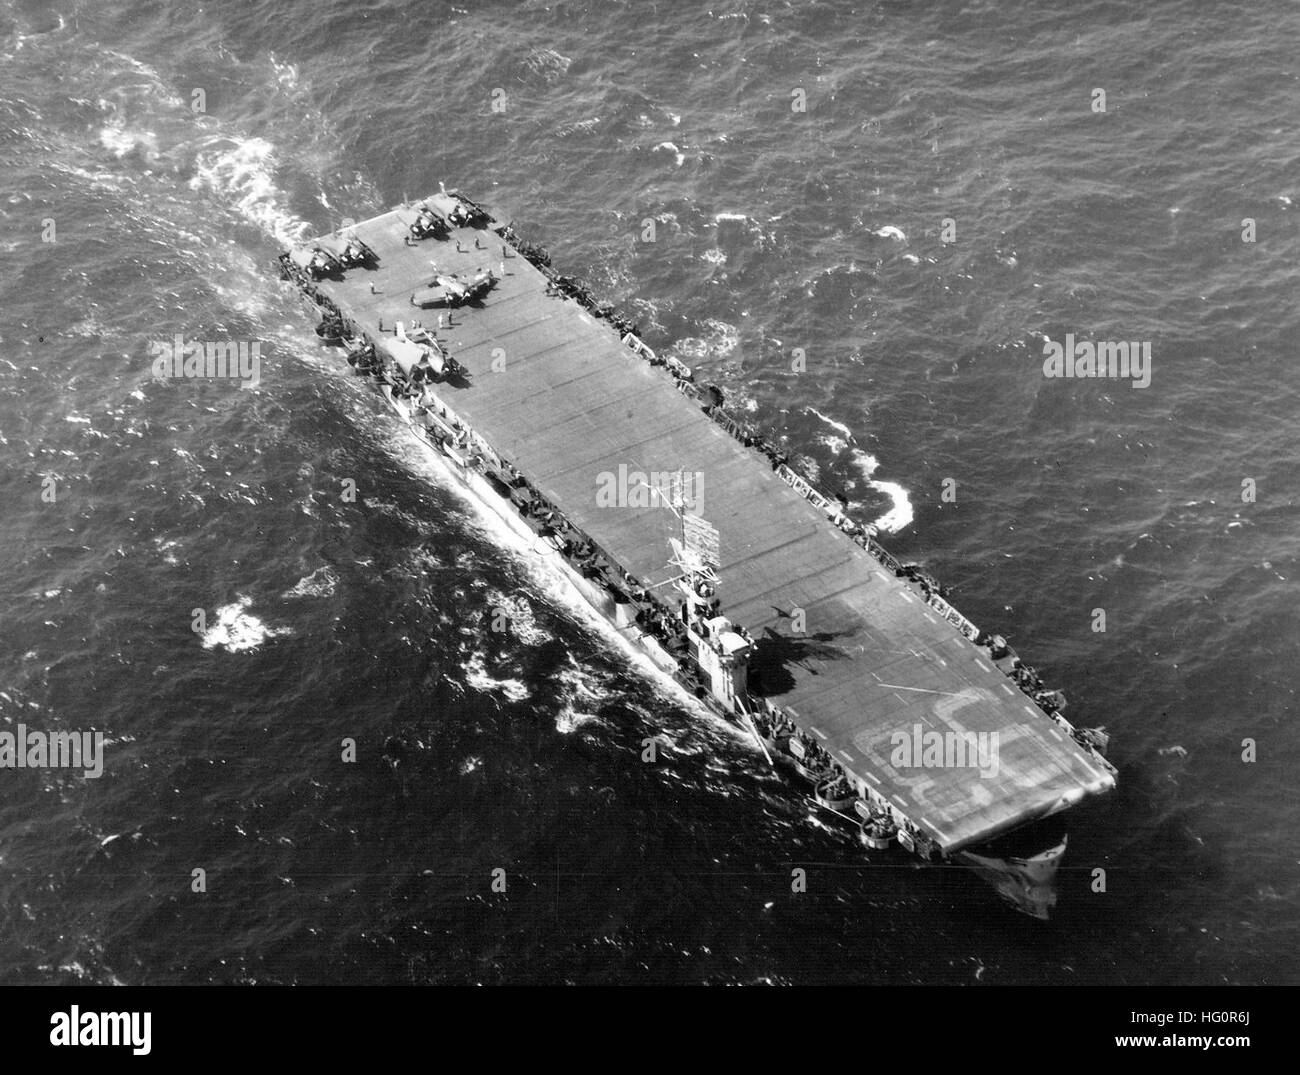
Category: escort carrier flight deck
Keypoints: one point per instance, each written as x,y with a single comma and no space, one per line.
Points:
697,541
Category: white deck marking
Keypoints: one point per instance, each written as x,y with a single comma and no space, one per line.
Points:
821,734
1008,688
906,596
846,756
921,690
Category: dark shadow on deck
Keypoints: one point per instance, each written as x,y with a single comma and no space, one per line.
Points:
774,653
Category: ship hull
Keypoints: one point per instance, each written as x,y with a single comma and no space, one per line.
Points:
1028,884
566,416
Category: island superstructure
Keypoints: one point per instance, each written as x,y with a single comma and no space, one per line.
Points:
698,541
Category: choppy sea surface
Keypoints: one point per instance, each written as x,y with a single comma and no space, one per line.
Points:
328,619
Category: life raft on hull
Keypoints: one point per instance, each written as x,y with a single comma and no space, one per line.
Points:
877,830
876,836
835,793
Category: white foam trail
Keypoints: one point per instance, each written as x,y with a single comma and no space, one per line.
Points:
519,613
848,433
478,677
243,171
242,286
236,631
901,513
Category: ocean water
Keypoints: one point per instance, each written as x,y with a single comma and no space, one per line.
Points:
328,619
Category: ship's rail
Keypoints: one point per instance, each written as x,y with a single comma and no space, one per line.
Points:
740,432
954,617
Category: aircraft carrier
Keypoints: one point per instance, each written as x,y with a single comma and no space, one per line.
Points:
696,539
